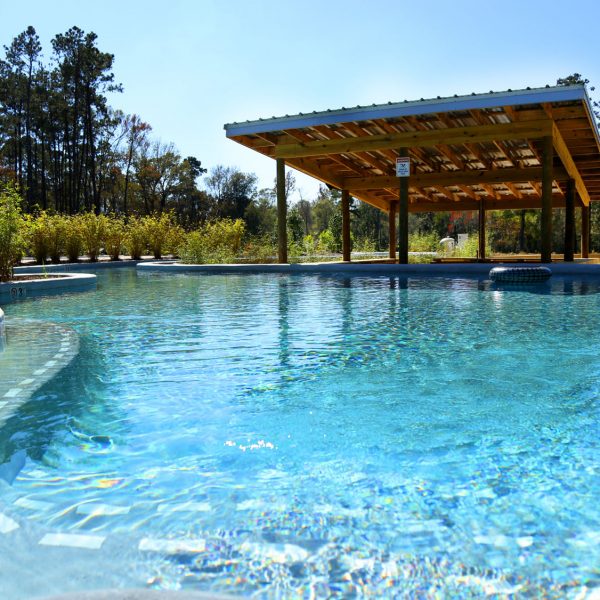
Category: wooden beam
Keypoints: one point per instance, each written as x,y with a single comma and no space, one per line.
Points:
457,135
281,212
345,225
567,160
314,170
473,205
513,190
547,176
482,230
403,215
475,177
569,221
332,134
467,191
392,228
302,137
585,231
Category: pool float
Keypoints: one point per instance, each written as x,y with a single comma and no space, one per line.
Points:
520,274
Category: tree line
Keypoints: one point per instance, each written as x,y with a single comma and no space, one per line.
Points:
68,152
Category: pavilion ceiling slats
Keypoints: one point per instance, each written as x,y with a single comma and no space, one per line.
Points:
430,138
459,157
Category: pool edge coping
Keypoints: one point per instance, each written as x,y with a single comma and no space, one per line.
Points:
441,270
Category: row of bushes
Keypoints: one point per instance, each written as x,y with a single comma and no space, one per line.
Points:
48,238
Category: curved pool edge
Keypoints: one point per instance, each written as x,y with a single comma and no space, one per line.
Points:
21,287
439,270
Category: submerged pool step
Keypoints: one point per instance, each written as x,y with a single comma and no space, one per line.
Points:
7,524
73,540
32,353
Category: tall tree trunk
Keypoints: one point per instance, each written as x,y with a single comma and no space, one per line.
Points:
43,176
28,149
92,151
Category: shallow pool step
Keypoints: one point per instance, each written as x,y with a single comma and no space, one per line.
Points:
32,353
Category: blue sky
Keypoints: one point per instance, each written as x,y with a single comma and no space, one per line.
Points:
188,67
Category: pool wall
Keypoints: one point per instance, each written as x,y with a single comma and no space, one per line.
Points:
2,331
80,266
21,288
440,270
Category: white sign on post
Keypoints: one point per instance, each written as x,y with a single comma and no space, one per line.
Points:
403,166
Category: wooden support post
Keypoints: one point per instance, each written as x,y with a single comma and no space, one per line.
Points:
345,225
585,231
281,212
403,217
392,229
547,176
482,230
569,221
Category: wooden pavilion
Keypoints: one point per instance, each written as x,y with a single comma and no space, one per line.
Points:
533,148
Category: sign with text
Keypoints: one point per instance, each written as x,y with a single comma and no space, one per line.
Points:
403,166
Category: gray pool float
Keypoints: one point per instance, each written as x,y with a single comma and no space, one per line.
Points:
520,274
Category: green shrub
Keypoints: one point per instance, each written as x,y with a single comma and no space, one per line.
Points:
214,242
46,236
57,228
327,241
38,237
135,238
295,252
295,227
364,245
73,242
93,229
470,249
260,249
158,229
175,239
423,242
12,230
309,244
114,237
197,250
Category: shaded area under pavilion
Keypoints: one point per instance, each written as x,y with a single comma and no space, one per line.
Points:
526,149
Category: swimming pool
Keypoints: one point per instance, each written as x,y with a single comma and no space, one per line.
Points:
286,435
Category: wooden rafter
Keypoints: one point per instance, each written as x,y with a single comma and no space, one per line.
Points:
479,133
449,178
567,160
490,204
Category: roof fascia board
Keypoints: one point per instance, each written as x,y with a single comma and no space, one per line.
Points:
419,107
592,117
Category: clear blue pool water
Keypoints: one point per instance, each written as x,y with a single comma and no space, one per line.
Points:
324,435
